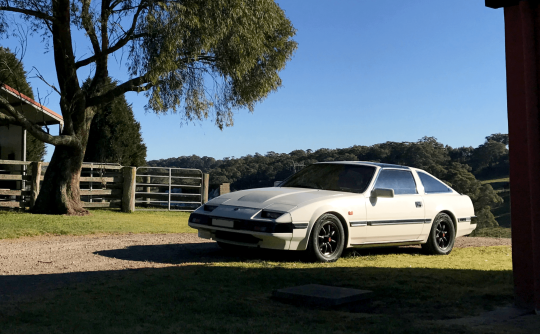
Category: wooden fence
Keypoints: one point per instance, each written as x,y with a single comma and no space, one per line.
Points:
102,185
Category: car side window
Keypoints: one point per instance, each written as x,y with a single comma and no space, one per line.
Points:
401,181
432,185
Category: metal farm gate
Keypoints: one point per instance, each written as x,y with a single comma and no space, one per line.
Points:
173,189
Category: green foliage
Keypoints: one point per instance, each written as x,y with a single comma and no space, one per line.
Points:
115,135
239,46
12,73
427,153
462,154
35,148
490,159
482,195
485,219
499,137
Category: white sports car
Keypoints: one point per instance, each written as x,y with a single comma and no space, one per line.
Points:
327,207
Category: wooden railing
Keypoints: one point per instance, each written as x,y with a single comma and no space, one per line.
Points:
102,185
13,178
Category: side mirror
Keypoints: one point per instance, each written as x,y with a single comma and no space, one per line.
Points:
277,183
382,192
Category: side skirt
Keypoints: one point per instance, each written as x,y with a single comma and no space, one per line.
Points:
387,244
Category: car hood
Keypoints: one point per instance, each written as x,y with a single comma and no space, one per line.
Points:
279,199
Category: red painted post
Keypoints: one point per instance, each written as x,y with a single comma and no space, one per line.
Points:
522,33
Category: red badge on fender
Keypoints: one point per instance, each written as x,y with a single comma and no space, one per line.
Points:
350,213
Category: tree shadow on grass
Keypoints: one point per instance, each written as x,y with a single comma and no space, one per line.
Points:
229,298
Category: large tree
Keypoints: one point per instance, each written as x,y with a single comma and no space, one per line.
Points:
12,73
200,58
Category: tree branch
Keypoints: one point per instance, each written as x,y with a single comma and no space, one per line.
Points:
18,118
133,85
28,12
39,76
128,36
7,120
88,26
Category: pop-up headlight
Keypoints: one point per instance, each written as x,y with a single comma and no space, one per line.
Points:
199,219
271,214
210,208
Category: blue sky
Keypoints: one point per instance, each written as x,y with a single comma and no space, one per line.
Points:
365,72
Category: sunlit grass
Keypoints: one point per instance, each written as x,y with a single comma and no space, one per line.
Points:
15,225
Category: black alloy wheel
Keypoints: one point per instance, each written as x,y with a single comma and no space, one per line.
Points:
442,236
327,239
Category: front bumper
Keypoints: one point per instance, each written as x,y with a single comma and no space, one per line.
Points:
250,233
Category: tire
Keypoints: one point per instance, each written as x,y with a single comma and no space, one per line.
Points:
327,239
441,237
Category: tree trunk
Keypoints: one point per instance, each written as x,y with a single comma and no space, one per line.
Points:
60,192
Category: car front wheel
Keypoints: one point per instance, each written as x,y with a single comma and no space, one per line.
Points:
442,236
327,239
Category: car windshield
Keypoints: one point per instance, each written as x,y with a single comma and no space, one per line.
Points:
349,178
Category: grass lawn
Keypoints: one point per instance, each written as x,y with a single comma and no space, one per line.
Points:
413,293
14,225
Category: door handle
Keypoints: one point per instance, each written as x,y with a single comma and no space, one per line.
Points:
418,204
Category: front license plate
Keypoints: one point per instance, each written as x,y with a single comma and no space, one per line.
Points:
223,223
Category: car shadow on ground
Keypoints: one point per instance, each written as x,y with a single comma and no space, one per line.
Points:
210,252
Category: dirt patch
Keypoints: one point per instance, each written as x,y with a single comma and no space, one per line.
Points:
63,254
481,242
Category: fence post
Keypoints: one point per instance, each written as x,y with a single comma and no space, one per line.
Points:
147,190
205,183
34,186
128,194
224,188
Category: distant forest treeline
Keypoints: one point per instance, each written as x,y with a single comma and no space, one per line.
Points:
460,167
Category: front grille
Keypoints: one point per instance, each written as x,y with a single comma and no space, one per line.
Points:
246,225
237,237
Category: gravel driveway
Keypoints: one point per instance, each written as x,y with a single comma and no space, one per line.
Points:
28,265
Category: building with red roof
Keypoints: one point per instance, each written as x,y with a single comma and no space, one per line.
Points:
13,137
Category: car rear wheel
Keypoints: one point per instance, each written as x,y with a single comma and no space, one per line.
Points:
442,236
327,239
